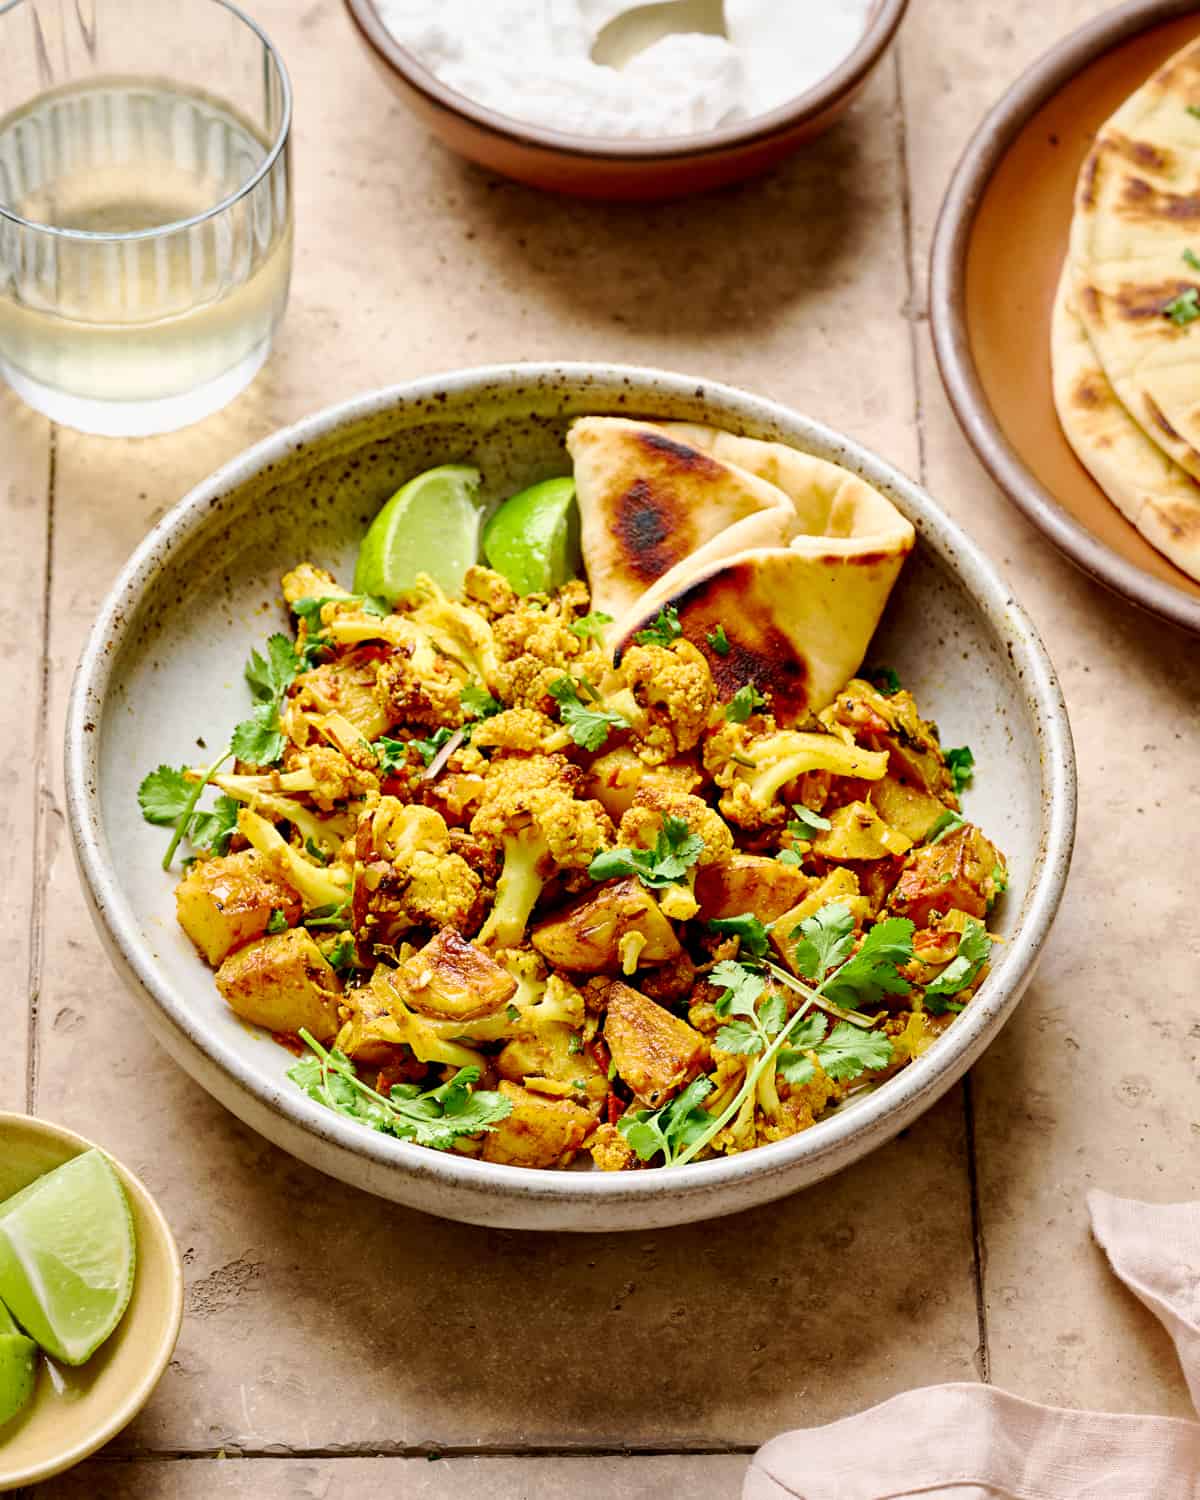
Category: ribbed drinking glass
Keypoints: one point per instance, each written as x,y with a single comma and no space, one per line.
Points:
145,208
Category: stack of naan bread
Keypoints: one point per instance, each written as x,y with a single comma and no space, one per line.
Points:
1126,332
791,557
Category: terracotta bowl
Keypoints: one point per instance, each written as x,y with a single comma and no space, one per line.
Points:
997,255
59,1428
163,666
593,167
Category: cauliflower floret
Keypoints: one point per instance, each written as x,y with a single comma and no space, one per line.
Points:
752,769
669,698
310,582
529,805
893,724
335,777
407,875
417,685
488,591
642,824
524,729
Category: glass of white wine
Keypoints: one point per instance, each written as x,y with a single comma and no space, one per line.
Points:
145,208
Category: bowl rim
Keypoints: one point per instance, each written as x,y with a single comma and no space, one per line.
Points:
822,1150
124,1413
849,73
948,318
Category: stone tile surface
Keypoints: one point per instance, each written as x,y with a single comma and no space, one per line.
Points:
705,1478
320,1319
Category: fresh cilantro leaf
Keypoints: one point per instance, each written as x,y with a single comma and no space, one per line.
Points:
212,831
740,1037
258,740
974,948
793,1062
277,922
513,1014
719,641
788,857
885,679
807,823
428,749
673,1128
165,795
1000,879
436,1118
591,627
741,988
1192,259
753,934
478,703
872,972
772,1013
342,955
1183,309
849,1050
392,755
333,917
943,824
745,701
269,679
589,726
676,850
961,765
664,629
827,938
315,852
309,609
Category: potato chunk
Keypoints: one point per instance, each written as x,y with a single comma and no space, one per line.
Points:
587,938
541,1132
750,883
225,903
961,870
283,983
857,832
655,1052
454,980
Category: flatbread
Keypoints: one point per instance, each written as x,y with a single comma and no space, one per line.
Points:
1150,489
648,502
1137,210
798,584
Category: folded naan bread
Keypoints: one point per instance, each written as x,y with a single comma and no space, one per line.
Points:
1135,238
793,556
1150,489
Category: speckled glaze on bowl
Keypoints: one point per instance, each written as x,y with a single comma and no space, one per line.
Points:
57,1431
595,167
163,665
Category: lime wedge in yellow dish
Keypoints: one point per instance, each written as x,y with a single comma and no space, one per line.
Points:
18,1371
67,1256
430,526
533,539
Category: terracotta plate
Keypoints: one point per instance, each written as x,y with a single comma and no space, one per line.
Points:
997,254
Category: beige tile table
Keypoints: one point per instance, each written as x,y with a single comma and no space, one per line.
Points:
332,1341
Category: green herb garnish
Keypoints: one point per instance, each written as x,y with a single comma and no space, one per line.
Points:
277,922
478,703
885,679
664,629
675,850
961,765
753,935
589,726
1183,309
719,641
670,1130
591,627
974,948
806,824
944,823
745,701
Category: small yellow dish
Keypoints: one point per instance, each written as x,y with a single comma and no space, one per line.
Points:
75,1411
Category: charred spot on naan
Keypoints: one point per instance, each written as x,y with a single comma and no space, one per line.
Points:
1142,202
759,652
1135,302
652,529
1143,154
1091,392
680,456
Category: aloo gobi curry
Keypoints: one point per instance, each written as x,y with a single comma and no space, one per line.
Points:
639,865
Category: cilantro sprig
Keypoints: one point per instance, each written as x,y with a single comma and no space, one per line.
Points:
1183,309
758,1014
436,1118
753,934
672,1129
588,723
662,630
259,739
478,703
676,850
974,949
719,641
837,974
591,627
746,701
169,798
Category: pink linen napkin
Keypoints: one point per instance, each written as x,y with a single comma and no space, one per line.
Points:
973,1442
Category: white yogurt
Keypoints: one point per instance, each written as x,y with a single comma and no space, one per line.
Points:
530,59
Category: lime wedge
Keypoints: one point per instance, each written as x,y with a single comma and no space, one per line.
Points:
533,539
18,1357
430,526
67,1256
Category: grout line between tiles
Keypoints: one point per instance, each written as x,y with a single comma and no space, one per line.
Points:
41,793
983,1356
428,1451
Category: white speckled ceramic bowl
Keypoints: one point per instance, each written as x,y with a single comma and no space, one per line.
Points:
163,666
